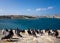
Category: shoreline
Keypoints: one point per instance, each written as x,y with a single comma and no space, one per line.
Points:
31,39
26,17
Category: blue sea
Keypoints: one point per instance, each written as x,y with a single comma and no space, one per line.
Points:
39,23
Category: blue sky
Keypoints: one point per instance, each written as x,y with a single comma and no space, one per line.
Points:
30,7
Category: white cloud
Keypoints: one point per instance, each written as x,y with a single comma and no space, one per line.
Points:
1,9
41,9
44,9
38,9
50,7
28,9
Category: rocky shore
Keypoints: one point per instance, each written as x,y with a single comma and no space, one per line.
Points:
45,38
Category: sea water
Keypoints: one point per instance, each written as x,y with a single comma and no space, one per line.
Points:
39,23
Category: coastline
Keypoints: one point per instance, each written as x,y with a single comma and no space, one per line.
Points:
26,17
31,39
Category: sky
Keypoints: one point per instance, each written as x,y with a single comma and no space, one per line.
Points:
30,7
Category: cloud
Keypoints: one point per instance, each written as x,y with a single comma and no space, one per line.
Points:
1,10
28,9
44,9
40,9
50,7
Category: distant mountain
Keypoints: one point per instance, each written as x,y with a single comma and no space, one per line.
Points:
17,16
26,17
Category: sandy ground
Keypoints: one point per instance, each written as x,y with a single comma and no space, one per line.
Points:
30,39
